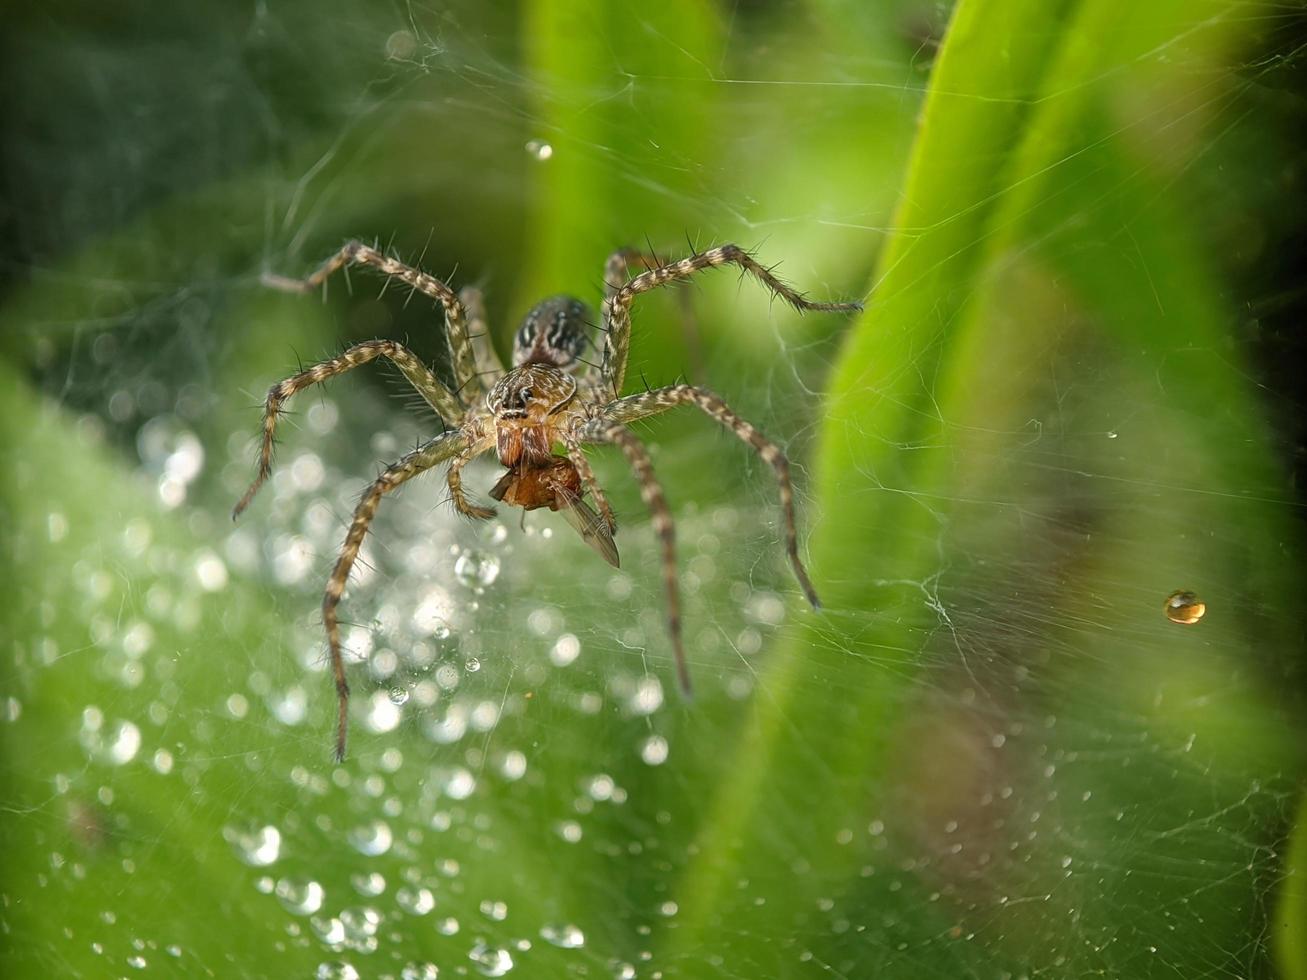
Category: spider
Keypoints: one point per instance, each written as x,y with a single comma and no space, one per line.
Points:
549,398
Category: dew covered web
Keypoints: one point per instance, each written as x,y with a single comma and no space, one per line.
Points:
992,754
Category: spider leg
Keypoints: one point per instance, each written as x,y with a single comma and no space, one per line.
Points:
617,267
419,376
616,274
577,456
651,492
356,253
489,367
428,455
648,403
455,480
616,310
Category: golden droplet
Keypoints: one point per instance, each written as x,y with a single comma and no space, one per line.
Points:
1184,607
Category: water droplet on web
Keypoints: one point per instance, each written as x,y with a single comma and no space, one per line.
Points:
419,971
565,936
565,650
173,453
654,750
490,961
299,896
539,149
476,569
210,571
401,45
415,901
361,925
383,714
1184,607
497,911
124,744
256,846
472,665
335,970
372,839
399,695
369,885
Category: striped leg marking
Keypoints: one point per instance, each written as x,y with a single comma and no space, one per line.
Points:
435,451
617,306
356,253
419,376
659,400
651,492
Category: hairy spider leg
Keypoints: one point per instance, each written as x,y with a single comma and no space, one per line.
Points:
455,480
651,492
616,309
431,453
419,376
468,386
659,400
616,275
488,365
577,455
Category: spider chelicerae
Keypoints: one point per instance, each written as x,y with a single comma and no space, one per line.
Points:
550,398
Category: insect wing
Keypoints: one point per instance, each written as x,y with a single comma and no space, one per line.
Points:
589,525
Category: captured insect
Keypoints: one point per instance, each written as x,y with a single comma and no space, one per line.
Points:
551,398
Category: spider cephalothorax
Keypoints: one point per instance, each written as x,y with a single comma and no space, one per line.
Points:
526,406
552,397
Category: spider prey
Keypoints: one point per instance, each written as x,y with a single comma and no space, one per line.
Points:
549,399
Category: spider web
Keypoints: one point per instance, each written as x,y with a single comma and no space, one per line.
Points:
991,754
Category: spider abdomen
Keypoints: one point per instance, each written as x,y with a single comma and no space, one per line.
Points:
554,333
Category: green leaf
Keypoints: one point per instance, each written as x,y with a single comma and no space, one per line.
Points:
1013,480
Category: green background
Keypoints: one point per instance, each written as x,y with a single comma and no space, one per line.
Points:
990,755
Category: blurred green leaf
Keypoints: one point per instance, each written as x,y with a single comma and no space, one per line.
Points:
953,419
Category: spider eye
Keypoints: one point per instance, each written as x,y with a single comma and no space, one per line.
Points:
525,396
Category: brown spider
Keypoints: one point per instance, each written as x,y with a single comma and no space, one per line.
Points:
549,398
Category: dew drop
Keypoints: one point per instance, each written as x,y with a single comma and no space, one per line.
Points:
336,970
476,569
372,839
124,745
299,896
401,45
361,925
539,149
370,885
383,714
563,936
490,961
210,571
419,971
565,650
258,846
1184,607
415,901
654,750
399,695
